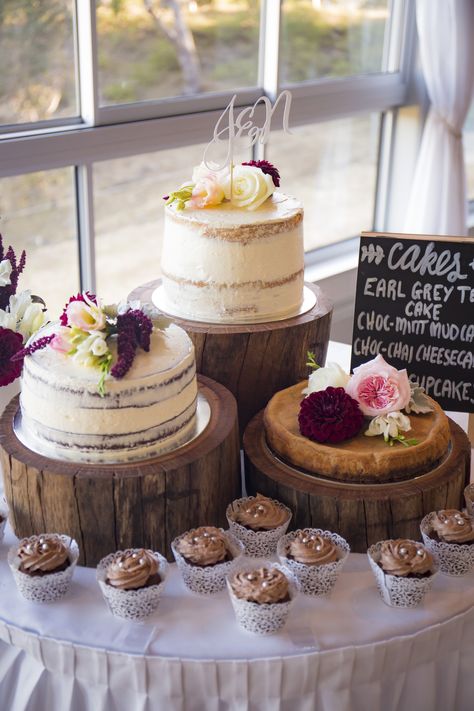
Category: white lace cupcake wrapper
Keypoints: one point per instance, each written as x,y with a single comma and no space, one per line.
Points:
208,579
314,579
265,618
257,543
453,559
131,604
44,588
398,591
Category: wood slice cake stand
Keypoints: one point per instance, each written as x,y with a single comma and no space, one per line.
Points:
115,506
362,513
254,361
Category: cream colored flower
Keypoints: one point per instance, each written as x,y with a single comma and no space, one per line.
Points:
389,425
90,350
250,186
332,375
32,320
5,272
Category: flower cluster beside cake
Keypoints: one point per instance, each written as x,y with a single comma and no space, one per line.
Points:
261,591
233,246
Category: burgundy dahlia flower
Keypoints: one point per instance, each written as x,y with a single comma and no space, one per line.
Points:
330,415
267,168
10,344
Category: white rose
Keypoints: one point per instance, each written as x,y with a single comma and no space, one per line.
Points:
90,349
389,425
250,186
330,376
5,272
32,320
202,171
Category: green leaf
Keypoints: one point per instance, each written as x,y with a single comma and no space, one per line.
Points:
105,366
419,402
181,196
311,362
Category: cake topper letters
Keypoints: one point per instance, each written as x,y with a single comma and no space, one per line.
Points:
231,126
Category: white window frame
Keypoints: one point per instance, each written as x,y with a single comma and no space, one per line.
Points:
104,133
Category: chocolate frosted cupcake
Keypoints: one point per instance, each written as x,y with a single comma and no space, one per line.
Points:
404,571
258,522
449,536
316,558
132,582
261,596
204,556
43,566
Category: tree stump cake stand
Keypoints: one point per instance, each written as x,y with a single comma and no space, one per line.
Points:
254,361
362,513
115,506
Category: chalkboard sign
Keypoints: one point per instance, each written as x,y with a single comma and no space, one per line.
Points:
415,305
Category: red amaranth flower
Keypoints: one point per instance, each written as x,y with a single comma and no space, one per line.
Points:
134,329
10,344
268,168
17,268
78,297
330,415
37,345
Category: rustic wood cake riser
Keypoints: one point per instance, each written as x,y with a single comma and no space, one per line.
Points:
254,361
362,514
110,507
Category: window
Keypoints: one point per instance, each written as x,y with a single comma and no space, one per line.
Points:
135,88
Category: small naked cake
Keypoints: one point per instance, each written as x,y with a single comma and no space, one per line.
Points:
132,582
316,558
110,383
233,246
354,428
204,556
43,566
259,522
404,571
449,536
261,596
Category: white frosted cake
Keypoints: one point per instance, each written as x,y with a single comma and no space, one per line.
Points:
230,263
149,411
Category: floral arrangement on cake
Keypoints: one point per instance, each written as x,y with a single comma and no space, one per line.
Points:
247,185
337,405
21,315
86,327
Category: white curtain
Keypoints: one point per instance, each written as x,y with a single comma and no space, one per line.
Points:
438,203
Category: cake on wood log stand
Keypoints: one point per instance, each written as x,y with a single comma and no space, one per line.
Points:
106,507
256,360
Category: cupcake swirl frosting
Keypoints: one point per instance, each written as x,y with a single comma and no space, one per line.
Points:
43,553
206,545
402,557
131,569
261,513
311,549
453,525
265,585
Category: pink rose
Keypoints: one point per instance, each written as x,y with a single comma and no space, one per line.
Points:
207,192
85,315
60,341
379,388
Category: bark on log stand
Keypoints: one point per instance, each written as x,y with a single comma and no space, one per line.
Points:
362,513
115,506
254,361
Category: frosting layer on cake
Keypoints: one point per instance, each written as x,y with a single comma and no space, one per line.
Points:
229,264
150,411
362,458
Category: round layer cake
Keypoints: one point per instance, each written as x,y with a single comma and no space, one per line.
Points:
150,411
226,263
360,459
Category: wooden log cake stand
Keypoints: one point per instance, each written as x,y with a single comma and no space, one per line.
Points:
254,361
115,506
362,513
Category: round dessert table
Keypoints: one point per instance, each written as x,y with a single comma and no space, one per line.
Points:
345,652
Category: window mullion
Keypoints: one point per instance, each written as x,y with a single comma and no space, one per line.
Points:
85,226
268,57
87,61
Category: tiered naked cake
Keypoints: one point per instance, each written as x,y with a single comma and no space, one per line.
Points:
339,465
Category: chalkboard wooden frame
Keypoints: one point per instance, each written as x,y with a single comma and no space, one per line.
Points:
416,319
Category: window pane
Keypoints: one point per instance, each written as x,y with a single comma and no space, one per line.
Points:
331,167
37,59
38,215
331,38
176,48
129,214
